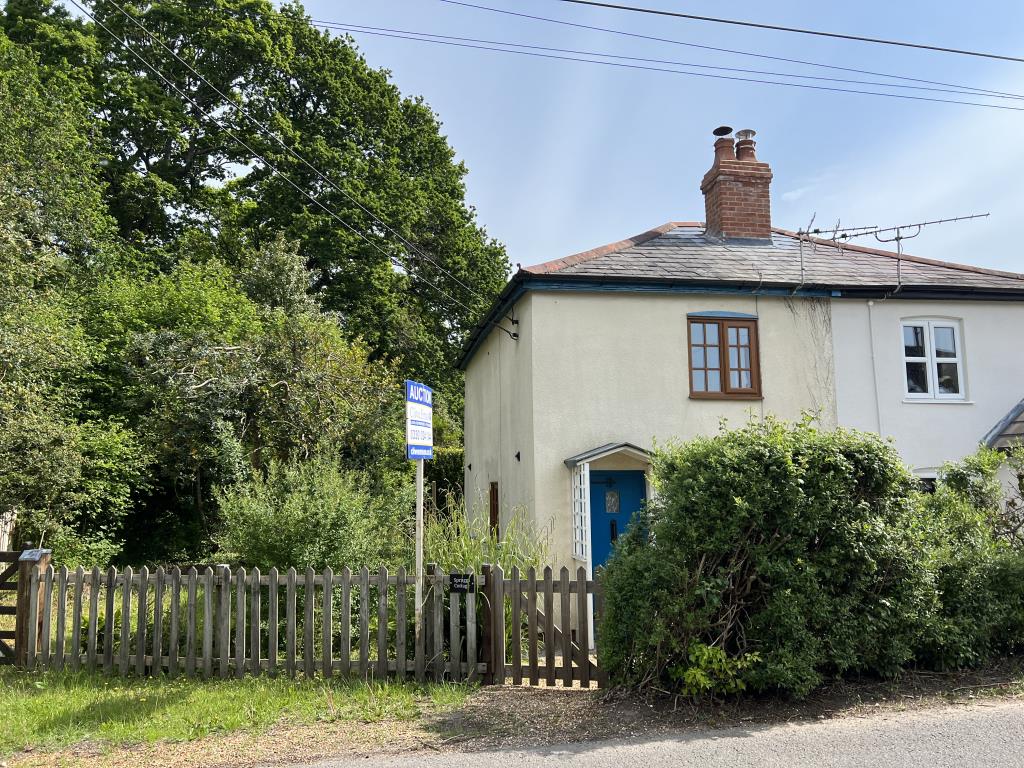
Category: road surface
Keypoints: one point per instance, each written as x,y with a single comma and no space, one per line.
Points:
989,734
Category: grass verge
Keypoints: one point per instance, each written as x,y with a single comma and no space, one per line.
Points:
51,710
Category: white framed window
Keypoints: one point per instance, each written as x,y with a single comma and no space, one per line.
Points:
581,512
933,360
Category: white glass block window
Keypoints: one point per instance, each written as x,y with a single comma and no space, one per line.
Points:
581,512
933,362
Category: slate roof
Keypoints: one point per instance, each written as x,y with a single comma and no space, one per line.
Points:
679,255
681,251
1009,430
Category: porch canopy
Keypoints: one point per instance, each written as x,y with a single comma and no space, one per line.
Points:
608,449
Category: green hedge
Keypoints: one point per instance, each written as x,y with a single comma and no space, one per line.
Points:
777,555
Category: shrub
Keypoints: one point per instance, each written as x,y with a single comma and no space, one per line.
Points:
773,555
314,513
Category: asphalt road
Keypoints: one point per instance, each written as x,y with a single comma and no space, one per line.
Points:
986,734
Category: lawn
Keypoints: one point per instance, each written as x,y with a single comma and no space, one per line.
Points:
49,711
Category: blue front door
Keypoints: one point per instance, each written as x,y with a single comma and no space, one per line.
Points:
615,496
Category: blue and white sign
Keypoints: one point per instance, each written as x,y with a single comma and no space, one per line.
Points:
419,421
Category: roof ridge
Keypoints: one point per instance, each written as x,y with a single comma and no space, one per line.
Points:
555,265
903,257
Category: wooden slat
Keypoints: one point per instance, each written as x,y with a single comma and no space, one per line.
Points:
191,608
327,620
400,625
438,618
471,650
531,620
516,651
208,622
224,623
255,617
33,618
142,620
382,623
173,642
549,627
346,621
272,608
95,579
109,622
454,636
428,622
47,611
498,620
566,622
308,601
289,609
598,613
159,582
62,607
76,619
240,622
364,622
487,624
126,621
583,625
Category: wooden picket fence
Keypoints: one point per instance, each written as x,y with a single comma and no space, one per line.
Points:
218,623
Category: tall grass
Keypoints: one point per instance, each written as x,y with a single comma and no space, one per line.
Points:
458,541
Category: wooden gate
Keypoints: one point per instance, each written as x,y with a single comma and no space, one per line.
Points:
8,606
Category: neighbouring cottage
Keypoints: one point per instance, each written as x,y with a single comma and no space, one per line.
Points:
665,334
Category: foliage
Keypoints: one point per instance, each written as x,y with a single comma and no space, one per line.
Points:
314,513
460,542
447,469
789,549
52,710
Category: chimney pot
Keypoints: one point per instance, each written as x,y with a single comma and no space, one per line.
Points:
745,150
724,149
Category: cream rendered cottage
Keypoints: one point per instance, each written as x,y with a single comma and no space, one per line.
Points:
662,336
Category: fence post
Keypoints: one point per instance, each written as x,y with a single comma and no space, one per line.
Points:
486,642
30,560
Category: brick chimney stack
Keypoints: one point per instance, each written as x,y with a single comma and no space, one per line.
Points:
736,198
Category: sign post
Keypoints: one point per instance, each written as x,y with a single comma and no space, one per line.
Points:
419,446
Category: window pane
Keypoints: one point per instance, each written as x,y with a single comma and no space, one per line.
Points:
714,381
732,335
712,357
949,380
697,333
734,379
745,379
733,356
711,333
945,342
697,357
917,378
745,357
698,381
611,502
913,341
744,335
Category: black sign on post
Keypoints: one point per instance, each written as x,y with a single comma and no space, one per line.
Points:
463,582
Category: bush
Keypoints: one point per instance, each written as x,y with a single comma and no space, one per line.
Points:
313,513
772,556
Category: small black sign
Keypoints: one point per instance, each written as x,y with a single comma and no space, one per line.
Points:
463,582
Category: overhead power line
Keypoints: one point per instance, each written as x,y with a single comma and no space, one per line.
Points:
270,165
717,49
797,30
430,35
735,78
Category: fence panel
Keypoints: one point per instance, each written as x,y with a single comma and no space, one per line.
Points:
229,624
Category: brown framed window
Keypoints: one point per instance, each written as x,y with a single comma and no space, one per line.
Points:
724,361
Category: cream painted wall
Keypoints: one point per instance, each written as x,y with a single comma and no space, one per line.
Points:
499,419
869,375
611,367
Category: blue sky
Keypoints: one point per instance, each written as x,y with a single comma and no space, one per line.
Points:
564,156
